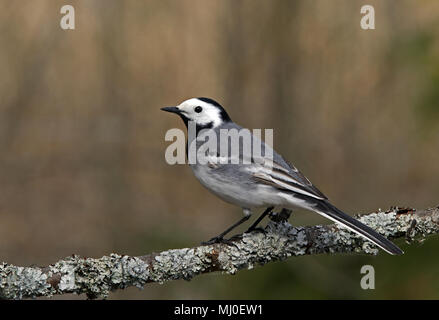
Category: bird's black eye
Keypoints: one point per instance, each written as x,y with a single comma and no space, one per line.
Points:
198,109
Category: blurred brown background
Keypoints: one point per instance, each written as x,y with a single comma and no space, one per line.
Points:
82,166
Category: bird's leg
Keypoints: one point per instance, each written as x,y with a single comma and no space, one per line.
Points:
220,238
262,216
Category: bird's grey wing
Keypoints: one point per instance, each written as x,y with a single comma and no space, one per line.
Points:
285,178
280,174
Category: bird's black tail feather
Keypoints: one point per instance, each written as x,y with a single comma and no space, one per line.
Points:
326,209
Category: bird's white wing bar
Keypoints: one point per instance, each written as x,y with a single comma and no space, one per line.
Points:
269,163
282,184
273,174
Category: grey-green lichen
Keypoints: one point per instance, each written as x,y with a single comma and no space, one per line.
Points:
98,277
19,282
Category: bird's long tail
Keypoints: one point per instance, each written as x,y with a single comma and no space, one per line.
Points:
329,211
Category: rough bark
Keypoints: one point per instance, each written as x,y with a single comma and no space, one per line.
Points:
97,277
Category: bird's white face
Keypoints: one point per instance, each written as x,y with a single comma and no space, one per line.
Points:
201,112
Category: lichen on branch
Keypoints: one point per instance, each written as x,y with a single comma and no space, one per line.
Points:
98,277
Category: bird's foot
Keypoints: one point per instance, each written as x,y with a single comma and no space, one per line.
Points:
256,229
236,237
218,239
281,216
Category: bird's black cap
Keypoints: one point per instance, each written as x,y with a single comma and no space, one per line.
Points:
224,116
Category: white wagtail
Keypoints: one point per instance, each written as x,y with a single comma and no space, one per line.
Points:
256,184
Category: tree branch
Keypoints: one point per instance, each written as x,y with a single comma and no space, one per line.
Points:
97,277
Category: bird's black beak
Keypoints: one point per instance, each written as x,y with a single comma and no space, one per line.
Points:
171,109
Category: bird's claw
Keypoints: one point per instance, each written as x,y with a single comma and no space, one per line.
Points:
281,216
257,229
218,240
236,237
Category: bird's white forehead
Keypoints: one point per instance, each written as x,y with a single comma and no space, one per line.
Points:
193,102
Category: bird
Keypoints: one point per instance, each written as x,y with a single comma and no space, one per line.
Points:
260,182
